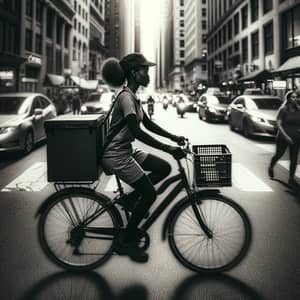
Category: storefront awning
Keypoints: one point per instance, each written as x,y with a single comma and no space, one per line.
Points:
259,75
53,80
290,66
11,60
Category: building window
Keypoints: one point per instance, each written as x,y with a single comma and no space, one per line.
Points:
267,5
245,50
29,8
204,38
181,33
268,38
203,1
224,34
255,44
181,2
28,40
245,17
204,68
74,49
181,23
203,12
236,46
254,10
38,43
229,29
75,6
236,20
204,25
75,23
291,28
181,43
181,13
67,34
181,53
49,24
39,11
58,31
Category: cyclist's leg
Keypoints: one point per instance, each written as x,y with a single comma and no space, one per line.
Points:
159,168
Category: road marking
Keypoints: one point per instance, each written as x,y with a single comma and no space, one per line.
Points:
245,180
286,165
33,179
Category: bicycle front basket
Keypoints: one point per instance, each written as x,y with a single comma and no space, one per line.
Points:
212,165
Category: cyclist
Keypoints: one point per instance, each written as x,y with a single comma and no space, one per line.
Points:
150,105
121,159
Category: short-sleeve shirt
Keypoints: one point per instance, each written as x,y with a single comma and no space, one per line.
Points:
290,122
127,103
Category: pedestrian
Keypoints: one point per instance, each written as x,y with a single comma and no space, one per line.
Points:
76,104
288,136
121,159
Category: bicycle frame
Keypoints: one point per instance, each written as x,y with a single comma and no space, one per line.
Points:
182,180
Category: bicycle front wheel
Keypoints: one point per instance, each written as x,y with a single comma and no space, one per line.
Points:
230,228
63,235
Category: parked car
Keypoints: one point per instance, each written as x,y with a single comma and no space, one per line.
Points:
98,103
22,117
253,91
254,115
213,107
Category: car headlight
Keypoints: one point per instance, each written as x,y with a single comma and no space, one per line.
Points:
258,119
10,129
83,108
212,110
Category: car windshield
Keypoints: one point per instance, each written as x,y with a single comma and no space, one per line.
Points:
223,99
265,103
12,105
253,92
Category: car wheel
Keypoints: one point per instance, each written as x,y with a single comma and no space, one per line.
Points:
230,124
246,128
207,117
28,142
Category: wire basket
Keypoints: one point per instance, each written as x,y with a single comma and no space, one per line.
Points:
212,165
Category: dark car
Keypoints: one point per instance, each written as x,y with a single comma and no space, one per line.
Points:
254,115
213,107
22,118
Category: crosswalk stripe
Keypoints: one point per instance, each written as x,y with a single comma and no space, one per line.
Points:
245,180
33,179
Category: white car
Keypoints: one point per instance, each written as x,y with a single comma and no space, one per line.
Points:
98,103
22,118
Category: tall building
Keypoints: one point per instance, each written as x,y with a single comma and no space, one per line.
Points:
165,49
97,50
44,41
80,38
10,54
137,27
250,40
195,19
176,74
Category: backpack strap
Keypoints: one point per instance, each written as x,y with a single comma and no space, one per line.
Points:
117,128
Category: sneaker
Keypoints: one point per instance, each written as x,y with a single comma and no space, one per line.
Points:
132,250
271,172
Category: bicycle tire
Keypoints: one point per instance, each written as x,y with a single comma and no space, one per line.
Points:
55,227
184,228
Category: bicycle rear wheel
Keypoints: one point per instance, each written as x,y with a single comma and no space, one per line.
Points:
63,235
231,234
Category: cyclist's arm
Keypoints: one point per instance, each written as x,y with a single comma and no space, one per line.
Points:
141,135
155,128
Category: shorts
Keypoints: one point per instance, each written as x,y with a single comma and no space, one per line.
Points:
127,167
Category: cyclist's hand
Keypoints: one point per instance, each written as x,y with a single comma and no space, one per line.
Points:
176,152
180,140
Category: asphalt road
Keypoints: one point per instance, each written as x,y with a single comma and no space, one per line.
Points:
270,270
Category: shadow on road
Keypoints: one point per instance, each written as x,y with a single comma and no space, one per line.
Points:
213,287
290,190
81,286
92,286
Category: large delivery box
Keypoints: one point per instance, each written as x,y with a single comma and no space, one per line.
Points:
74,147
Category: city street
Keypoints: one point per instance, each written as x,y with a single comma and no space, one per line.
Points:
270,271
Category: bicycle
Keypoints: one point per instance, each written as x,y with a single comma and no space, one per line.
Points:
207,231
